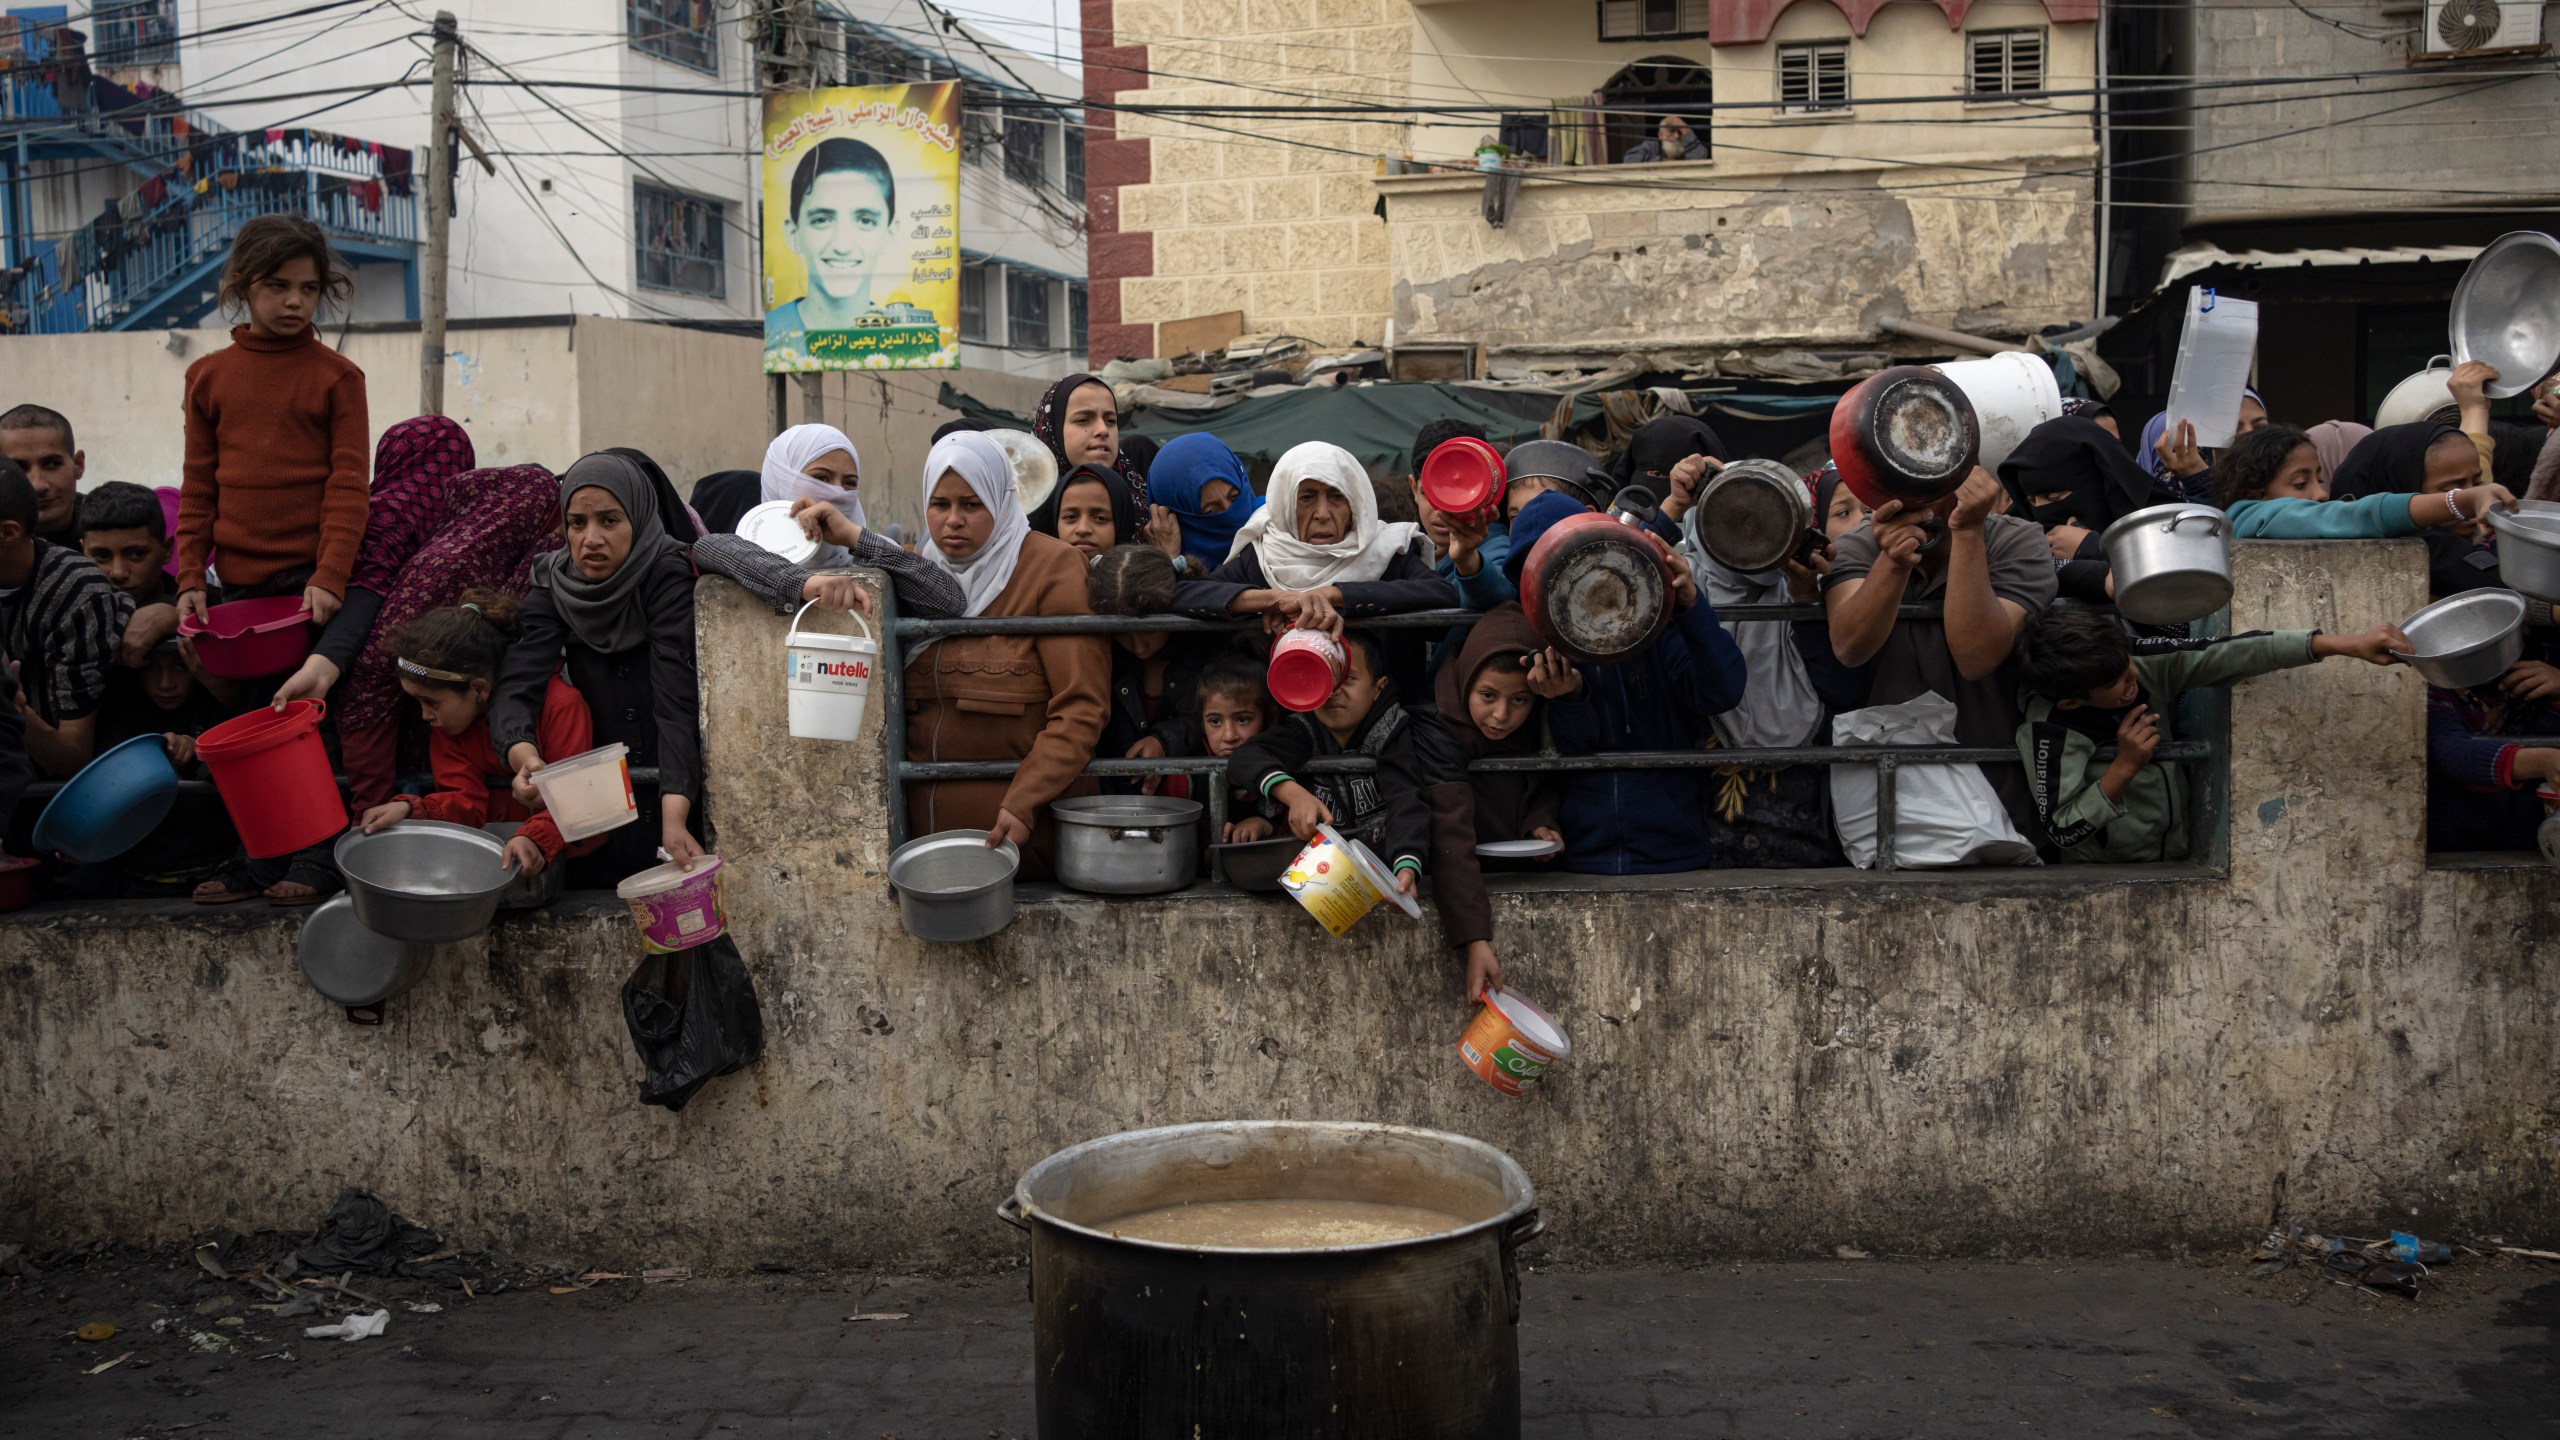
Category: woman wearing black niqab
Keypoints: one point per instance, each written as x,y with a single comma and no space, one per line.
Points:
2396,460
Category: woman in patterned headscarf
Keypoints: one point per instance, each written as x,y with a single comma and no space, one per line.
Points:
1080,423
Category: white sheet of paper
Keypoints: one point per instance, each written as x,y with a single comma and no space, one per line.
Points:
2214,353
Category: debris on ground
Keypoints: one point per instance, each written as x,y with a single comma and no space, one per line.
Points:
354,1327
2396,1262
876,1315
97,1330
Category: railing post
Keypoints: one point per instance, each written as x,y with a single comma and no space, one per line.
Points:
893,717
1216,783
1887,812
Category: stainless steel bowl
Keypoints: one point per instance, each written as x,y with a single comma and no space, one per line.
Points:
530,892
351,965
2528,551
2506,310
1127,844
951,887
2471,639
425,880
2171,563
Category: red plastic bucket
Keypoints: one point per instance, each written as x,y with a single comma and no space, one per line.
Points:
1306,665
1463,477
273,773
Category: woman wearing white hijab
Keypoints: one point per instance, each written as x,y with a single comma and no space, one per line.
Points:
1317,554
816,468
1034,701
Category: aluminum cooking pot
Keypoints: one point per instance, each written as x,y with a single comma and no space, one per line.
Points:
2506,310
1752,515
354,966
1906,433
425,880
1127,844
2528,551
2471,639
1596,589
951,887
2171,563
2427,395
1411,1339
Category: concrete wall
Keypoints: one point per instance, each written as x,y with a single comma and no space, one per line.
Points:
2382,143
543,393
2068,1060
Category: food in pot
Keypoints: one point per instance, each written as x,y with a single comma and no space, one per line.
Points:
1282,1224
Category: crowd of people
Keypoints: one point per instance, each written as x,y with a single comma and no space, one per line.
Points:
475,624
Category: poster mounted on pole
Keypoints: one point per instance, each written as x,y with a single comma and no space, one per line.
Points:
861,193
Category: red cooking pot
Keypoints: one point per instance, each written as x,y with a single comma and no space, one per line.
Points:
1596,588
1907,434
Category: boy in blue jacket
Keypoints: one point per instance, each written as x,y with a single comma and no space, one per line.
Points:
1633,822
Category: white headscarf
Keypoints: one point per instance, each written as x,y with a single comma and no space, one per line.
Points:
1779,707
786,477
983,575
1364,551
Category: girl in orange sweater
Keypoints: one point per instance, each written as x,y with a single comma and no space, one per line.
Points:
277,447
449,663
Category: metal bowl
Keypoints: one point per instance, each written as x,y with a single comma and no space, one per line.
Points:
425,880
2427,395
2471,639
351,965
951,887
2506,310
1258,864
2528,551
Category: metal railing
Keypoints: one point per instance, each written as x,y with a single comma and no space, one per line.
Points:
1889,760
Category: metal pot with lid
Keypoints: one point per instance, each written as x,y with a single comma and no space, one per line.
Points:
1597,588
1268,1317
1127,844
1906,433
1752,515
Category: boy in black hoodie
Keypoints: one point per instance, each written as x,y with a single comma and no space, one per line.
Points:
1385,810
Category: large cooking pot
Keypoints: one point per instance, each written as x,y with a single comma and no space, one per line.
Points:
1752,515
2471,639
1906,433
426,881
2506,310
1127,844
1597,589
2170,563
1414,1339
2528,551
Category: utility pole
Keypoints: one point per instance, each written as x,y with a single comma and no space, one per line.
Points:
440,160
786,59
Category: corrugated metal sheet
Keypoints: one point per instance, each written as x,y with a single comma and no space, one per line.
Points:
2192,258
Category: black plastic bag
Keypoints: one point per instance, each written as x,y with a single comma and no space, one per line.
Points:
693,1018
362,1233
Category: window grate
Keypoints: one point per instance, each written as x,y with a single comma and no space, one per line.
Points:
2005,62
682,242
1026,151
1079,321
973,300
134,32
678,31
1653,19
1075,160
1813,78
1026,310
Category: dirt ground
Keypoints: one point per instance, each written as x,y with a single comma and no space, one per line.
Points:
1875,1348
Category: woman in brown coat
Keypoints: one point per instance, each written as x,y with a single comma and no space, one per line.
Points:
1036,701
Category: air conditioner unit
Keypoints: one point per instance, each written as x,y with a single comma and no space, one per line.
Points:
2453,26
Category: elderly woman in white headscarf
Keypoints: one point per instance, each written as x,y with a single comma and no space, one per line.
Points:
816,469
1034,701
1317,555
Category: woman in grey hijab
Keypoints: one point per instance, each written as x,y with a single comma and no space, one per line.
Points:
611,613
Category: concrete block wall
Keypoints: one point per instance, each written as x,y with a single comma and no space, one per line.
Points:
2074,1060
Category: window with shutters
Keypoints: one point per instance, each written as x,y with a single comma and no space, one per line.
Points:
1652,19
1813,79
2004,62
973,300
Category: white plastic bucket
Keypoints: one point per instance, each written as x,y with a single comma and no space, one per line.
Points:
588,794
829,677
2012,393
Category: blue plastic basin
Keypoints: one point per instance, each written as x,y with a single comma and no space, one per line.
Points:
111,804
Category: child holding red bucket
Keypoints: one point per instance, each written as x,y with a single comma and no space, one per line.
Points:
1385,809
448,663
1487,708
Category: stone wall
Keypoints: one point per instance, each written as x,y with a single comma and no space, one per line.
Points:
1767,1063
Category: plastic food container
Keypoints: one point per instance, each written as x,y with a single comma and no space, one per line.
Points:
1511,1042
1306,665
675,908
588,794
1339,880
247,639
770,525
829,678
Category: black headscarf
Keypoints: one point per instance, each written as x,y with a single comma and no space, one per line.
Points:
1661,443
954,427
723,495
2393,461
1140,452
2518,447
2076,459
1124,511
1049,423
